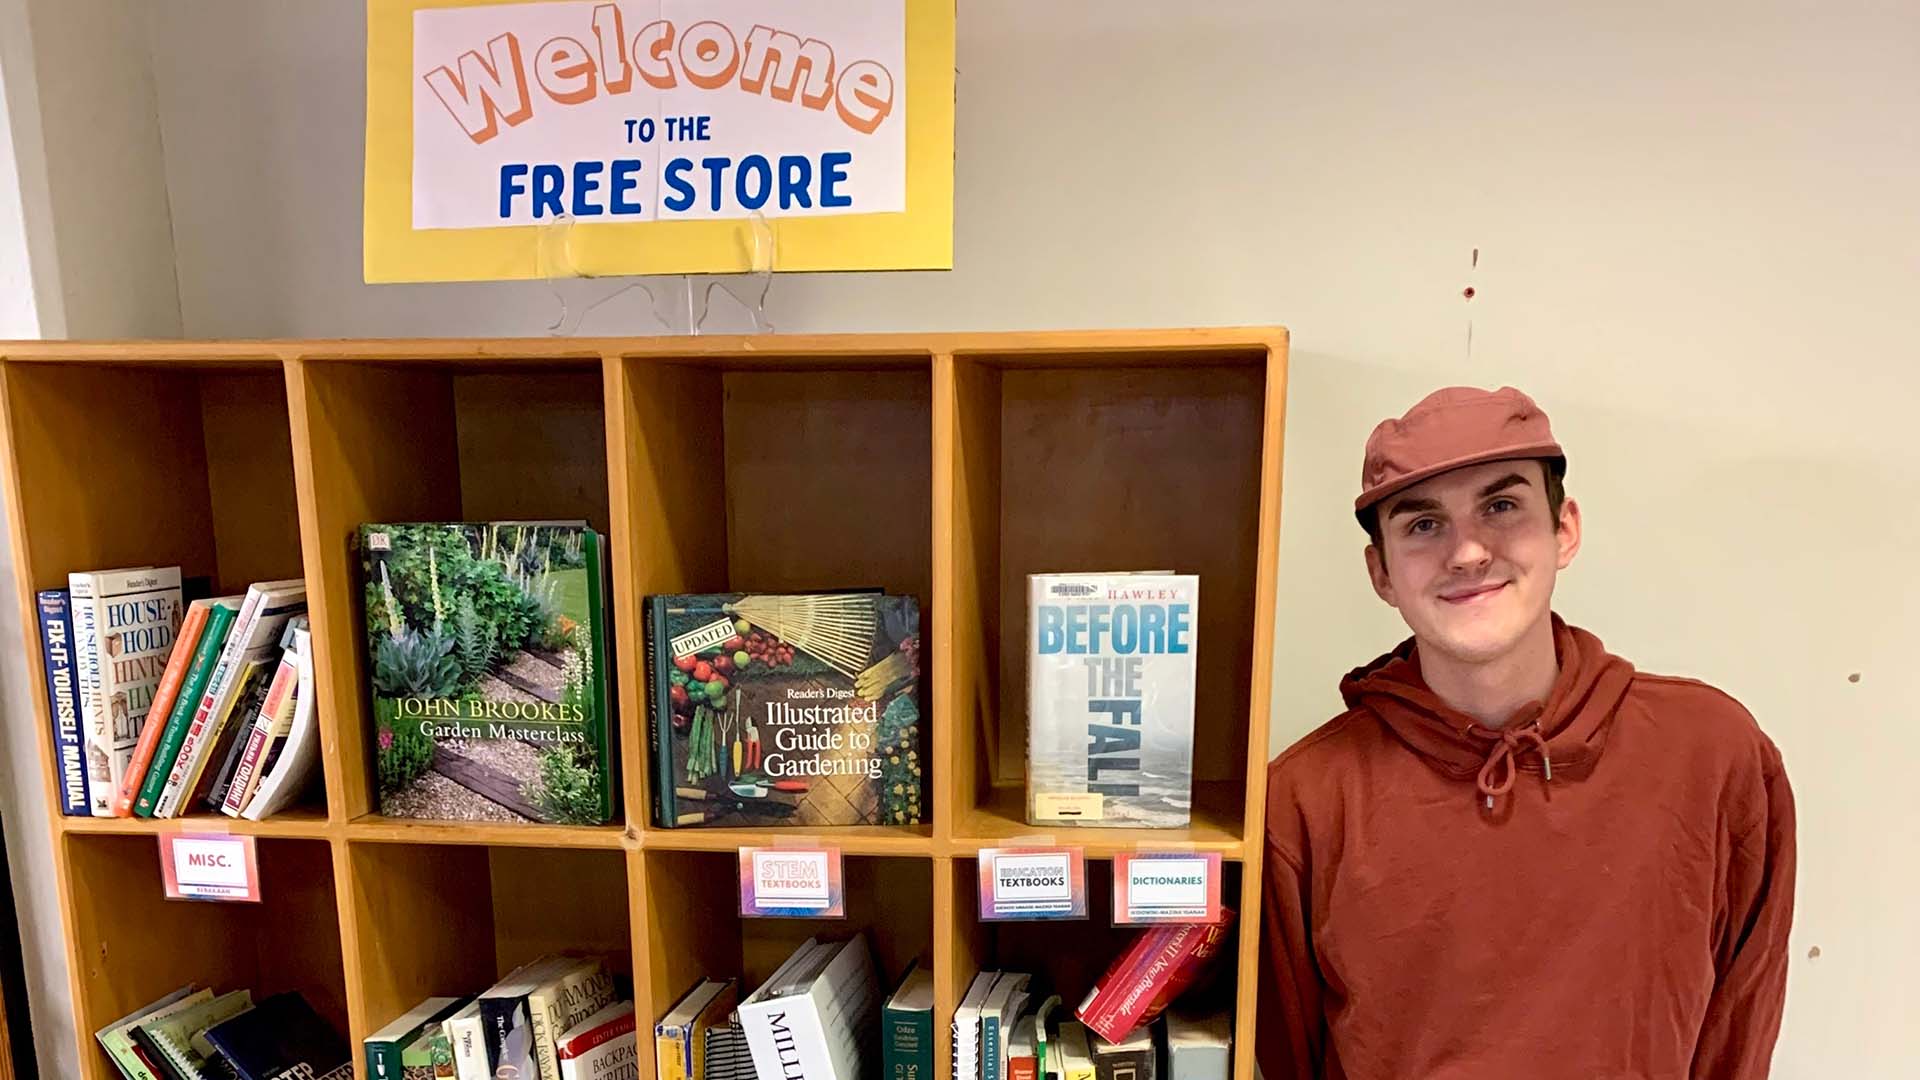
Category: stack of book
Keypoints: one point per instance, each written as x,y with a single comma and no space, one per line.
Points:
195,1034
160,710
558,1018
818,1016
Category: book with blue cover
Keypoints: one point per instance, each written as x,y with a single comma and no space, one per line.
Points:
282,1038
63,703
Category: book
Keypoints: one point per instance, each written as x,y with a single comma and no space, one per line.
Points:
292,768
610,1022
966,1026
1111,679
796,710
1002,1006
63,702
468,1042
127,621
185,643
906,1038
263,614
575,992
173,1043
1130,1057
213,639
1043,1027
385,1048
418,1059
489,669
223,757
269,726
728,1056
1074,1054
283,1037
817,1016
1023,1056
117,1039
1199,1044
604,1048
506,1022
679,1048
441,1047
1159,965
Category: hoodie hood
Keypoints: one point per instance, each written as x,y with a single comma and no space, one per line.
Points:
1563,735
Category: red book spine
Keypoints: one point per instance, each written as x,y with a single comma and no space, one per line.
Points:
572,1046
1021,1068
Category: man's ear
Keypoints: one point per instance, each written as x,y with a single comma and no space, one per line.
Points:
1568,532
1377,572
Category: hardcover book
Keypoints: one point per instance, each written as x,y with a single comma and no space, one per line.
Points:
906,1047
679,1038
386,1049
1110,690
816,1017
489,663
1159,966
605,1048
206,656
802,710
63,702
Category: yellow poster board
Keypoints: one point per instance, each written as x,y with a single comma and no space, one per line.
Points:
518,139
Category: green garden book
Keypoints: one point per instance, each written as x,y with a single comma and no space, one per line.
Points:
489,663
220,619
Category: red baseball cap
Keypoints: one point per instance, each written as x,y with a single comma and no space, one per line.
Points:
1451,429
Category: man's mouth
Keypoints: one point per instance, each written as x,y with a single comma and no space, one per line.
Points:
1476,592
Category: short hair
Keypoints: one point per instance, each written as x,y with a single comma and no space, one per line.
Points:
1554,468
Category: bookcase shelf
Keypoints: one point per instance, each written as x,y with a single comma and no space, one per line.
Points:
947,466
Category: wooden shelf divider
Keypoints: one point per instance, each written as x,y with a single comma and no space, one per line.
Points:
944,465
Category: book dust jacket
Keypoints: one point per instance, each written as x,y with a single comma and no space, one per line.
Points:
487,654
1110,688
799,710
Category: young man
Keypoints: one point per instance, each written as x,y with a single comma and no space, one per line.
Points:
1514,856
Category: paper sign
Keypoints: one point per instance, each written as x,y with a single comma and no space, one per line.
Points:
657,131
804,883
209,867
1166,886
1033,883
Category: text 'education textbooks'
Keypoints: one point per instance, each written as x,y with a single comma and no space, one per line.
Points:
769,710
489,656
1111,679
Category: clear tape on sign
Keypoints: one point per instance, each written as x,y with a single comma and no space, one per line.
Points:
678,304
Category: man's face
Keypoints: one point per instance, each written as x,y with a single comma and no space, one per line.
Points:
1470,557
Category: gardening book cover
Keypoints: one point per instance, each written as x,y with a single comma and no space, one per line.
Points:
1110,690
799,710
488,657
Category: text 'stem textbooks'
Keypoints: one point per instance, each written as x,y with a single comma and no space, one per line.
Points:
1111,679
798,710
489,655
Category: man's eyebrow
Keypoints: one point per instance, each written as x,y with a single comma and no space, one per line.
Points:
1413,506
1502,484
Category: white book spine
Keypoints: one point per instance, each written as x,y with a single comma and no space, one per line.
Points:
95,735
616,1059
469,1045
136,615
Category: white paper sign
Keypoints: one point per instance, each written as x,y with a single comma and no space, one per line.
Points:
654,110
209,867
1032,883
796,879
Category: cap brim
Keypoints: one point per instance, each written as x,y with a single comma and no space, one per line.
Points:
1525,452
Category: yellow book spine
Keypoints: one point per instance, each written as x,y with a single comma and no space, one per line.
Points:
670,1056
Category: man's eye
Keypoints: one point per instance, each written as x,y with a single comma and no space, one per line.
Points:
1501,506
1422,526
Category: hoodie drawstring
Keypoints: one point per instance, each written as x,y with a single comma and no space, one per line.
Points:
1506,748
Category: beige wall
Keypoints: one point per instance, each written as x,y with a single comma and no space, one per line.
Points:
1699,248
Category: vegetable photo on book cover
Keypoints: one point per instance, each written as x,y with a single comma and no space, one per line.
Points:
487,654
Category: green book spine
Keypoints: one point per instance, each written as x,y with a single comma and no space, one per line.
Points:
907,1052
659,729
384,1059
219,623
600,631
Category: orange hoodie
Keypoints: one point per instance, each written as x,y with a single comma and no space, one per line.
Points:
1602,888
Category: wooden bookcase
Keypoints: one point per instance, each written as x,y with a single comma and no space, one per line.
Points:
946,465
